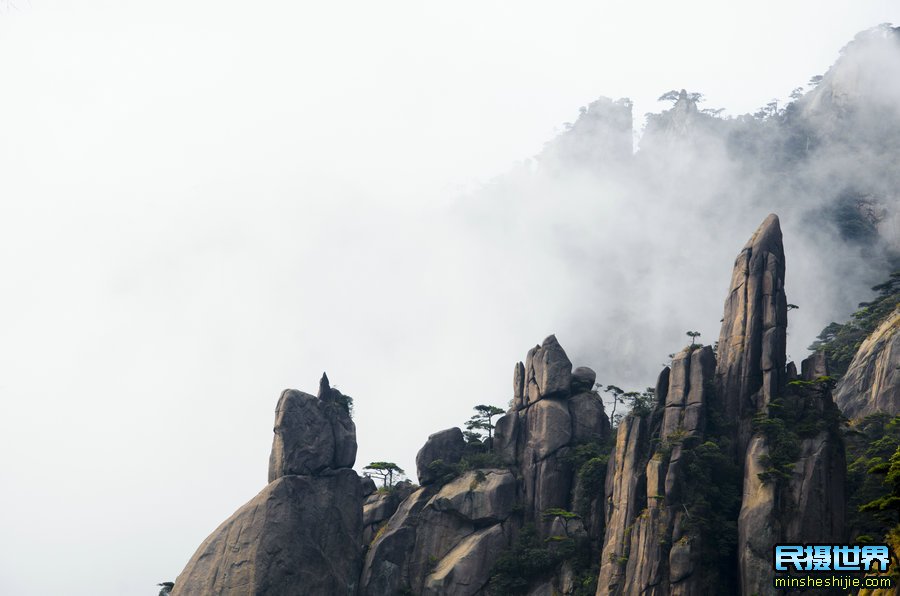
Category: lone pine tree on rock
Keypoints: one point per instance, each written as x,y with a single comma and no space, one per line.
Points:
385,470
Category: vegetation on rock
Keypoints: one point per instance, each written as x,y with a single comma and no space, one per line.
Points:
839,342
386,471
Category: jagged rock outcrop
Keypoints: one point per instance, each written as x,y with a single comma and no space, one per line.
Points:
712,428
752,372
548,371
445,537
872,381
378,507
752,343
311,434
302,534
553,409
647,549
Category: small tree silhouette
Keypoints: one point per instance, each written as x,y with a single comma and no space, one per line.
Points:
693,335
617,394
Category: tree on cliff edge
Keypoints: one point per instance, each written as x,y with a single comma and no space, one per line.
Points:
483,419
385,470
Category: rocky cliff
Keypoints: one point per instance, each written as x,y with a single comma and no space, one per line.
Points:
696,495
732,452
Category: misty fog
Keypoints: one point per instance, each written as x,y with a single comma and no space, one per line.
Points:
202,206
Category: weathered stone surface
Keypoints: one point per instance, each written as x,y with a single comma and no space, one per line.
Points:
872,381
548,427
311,435
583,379
506,434
300,535
481,501
446,445
465,570
589,420
548,371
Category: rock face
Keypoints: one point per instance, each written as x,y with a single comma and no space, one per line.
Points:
378,507
872,382
302,534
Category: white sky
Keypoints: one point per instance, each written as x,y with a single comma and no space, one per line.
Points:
203,203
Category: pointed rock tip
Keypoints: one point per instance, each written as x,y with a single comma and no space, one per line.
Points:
324,387
767,235
549,340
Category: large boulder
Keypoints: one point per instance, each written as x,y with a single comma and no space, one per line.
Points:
311,435
447,446
583,379
548,371
300,535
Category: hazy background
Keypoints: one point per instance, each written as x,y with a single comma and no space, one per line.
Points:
204,203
